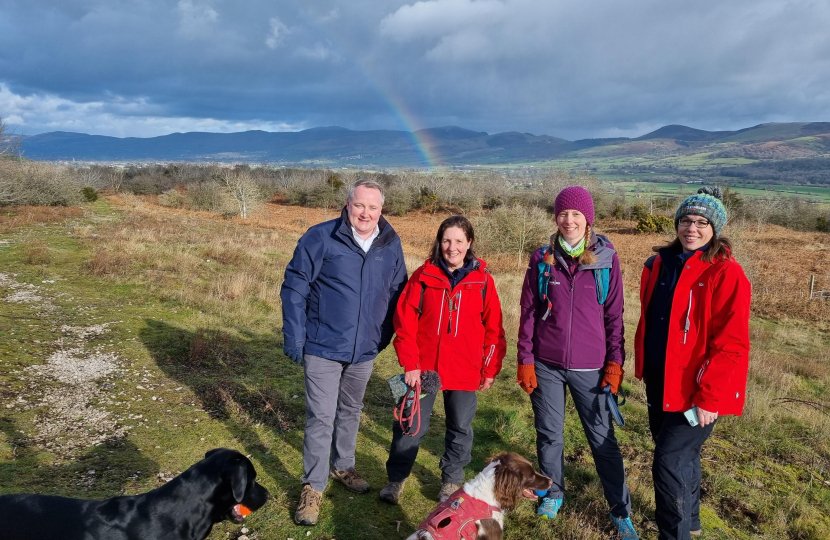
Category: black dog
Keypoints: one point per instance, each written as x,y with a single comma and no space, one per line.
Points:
221,486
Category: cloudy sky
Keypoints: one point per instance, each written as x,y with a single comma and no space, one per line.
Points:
570,68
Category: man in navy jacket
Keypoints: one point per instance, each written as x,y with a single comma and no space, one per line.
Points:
338,300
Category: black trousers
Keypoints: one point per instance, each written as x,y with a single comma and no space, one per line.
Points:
460,408
676,468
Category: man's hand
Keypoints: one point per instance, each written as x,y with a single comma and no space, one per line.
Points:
486,382
412,378
294,353
706,417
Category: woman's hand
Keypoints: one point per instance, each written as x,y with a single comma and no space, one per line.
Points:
486,382
412,378
706,417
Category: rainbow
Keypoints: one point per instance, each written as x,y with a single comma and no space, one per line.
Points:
426,145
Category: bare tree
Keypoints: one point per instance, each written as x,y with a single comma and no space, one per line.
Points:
764,207
9,142
115,179
90,176
243,189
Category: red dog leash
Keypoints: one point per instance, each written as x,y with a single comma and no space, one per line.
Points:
415,411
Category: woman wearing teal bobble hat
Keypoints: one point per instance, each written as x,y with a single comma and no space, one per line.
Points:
692,352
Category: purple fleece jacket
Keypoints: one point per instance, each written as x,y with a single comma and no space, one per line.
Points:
579,333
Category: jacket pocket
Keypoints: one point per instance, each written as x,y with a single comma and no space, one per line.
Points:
701,371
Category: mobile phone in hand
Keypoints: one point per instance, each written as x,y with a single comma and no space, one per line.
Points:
691,417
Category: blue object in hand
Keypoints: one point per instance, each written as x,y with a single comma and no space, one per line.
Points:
294,353
541,492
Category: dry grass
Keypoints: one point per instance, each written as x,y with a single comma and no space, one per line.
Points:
36,252
13,217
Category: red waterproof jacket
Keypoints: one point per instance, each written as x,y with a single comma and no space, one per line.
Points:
458,332
707,358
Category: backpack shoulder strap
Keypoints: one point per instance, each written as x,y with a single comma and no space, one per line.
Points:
421,300
602,277
484,289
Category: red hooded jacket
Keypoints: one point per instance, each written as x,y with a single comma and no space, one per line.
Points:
707,358
458,332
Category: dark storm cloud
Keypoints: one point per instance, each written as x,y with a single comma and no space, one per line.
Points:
568,68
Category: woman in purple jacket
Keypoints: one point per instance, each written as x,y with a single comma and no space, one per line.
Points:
571,336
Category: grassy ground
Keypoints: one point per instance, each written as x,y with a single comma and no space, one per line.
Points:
137,338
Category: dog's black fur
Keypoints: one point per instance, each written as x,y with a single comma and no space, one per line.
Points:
185,508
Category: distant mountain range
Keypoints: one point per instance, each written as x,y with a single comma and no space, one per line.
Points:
328,146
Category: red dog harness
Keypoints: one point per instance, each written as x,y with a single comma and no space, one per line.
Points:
455,518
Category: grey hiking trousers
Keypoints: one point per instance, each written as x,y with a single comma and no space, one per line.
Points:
333,403
548,401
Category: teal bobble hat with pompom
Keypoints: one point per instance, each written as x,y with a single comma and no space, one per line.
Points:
708,203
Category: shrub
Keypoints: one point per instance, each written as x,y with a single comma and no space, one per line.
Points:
515,230
651,223
38,184
208,196
427,200
90,193
171,199
399,200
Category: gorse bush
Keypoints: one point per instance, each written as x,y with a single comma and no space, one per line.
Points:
651,223
171,199
90,193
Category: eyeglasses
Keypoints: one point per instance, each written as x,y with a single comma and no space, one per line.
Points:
699,223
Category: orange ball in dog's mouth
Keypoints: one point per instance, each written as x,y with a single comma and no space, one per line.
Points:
239,512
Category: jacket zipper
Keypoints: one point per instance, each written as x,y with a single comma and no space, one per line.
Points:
570,325
688,320
360,309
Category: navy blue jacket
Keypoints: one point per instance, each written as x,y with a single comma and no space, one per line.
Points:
337,301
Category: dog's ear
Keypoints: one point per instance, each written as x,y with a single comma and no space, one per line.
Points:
236,473
214,451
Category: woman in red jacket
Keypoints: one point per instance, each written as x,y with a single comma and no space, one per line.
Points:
692,351
448,320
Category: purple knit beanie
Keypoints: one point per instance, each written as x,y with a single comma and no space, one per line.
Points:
575,198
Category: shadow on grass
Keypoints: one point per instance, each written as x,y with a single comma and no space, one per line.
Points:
117,466
243,380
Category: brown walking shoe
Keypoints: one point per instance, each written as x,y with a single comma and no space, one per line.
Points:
392,492
353,481
308,511
447,489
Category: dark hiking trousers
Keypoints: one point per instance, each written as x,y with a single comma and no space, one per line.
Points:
548,401
676,469
460,408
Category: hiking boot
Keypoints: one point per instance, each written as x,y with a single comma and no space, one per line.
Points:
625,528
447,489
696,532
351,480
308,511
392,492
549,508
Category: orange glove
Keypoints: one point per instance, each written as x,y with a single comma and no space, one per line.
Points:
526,377
613,376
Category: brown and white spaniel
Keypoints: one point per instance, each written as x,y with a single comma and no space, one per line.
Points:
476,511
